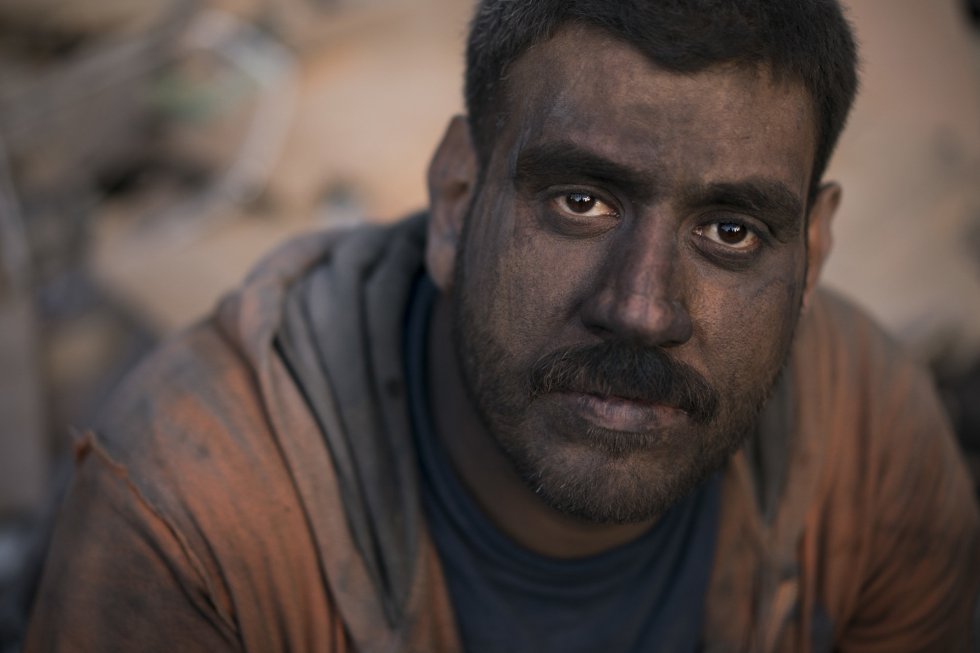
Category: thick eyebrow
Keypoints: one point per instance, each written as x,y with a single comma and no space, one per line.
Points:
539,166
770,200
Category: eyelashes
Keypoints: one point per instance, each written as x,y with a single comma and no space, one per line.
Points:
729,234
584,212
584,204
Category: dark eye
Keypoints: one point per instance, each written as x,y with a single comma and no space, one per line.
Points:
583,204
729,234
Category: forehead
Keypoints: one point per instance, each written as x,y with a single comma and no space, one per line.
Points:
591,90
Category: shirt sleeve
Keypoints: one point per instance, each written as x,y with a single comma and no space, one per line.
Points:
118,577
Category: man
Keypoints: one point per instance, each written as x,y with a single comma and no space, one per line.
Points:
573,408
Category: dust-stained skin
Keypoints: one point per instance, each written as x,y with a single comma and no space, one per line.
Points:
665,153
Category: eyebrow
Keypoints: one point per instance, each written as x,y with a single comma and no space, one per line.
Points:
542,165
771,200
538,166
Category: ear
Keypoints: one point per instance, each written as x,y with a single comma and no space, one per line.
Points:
819,237
452,178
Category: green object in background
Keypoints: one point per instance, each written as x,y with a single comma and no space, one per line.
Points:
196,96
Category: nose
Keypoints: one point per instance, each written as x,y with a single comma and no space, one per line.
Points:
639,294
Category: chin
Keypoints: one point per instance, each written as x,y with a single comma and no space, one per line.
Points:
619,481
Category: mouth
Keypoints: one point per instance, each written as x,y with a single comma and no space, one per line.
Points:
622,414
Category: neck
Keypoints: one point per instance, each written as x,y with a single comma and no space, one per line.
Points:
489,475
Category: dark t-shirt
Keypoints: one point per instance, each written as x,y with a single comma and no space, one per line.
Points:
647,595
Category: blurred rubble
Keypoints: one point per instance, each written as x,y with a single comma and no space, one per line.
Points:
150,152
155,150
909,162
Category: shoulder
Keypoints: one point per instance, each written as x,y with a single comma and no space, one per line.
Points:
189,433
893,513
189,443
183,513
186,403
860,395
833,326
845,367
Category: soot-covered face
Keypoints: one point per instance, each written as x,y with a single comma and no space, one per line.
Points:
631,270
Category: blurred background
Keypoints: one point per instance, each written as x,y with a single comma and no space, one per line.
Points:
151,151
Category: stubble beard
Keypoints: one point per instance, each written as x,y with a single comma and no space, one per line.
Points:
623,480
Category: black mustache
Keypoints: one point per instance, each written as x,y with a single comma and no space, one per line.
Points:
618,369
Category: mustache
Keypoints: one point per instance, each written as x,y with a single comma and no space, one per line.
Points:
618,369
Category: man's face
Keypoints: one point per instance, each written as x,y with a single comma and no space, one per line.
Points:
632,270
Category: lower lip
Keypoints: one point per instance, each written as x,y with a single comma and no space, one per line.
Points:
616,414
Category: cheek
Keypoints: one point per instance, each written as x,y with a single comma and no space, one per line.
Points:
746,324
527,281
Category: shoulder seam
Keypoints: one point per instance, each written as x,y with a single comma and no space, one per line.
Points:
88,444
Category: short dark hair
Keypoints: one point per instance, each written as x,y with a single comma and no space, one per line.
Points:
806,41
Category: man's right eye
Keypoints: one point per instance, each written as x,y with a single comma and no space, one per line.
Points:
583,204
